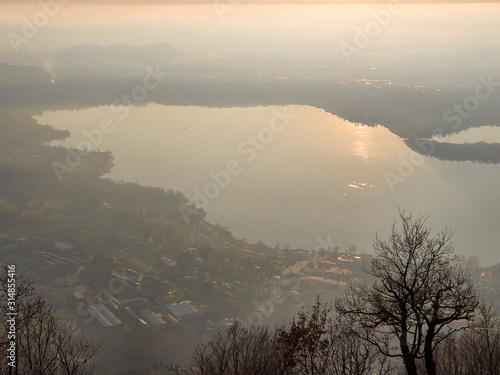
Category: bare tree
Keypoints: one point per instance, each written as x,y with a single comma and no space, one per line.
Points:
316,343
483,341
418,293
450,358
313,343
23,290
238,350
43,344
351,355
476,350
74,350
35,353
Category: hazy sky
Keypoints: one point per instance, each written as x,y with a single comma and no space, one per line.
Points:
234,2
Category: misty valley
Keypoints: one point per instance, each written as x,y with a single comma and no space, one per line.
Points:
249,188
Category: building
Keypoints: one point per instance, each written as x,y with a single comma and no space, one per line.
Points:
222,325
60,245
336,273
298,268
153,320
171,320
182,310
105,317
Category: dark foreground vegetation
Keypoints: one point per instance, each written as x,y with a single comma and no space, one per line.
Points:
420,314
317,344
32,338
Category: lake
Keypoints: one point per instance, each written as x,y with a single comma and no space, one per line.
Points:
295,175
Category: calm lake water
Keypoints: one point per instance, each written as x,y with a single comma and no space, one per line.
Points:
308,177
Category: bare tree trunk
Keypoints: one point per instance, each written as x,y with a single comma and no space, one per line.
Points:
411,367
409,361
430,365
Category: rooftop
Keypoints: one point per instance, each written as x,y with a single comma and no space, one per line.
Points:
105,317
182,310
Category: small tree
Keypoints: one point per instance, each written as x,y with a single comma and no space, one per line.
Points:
476,350
304,344
316,343
44,345
351,355
238,350
417,294
313,343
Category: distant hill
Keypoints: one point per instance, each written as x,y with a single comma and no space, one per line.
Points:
118,55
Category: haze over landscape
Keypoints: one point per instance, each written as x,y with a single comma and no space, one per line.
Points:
201,154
